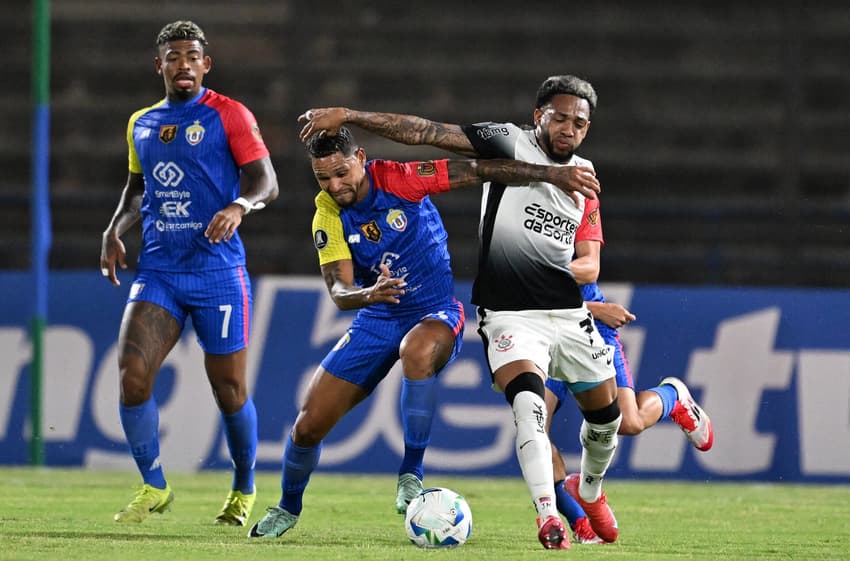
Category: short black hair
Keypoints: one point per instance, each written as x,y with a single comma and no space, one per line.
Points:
565,84
181,30
322,145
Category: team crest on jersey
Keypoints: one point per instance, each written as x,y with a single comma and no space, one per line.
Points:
397,219
425,169
320,239
195,134
504,343
167,133
593,217
371,231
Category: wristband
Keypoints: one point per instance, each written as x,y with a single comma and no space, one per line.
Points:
247,206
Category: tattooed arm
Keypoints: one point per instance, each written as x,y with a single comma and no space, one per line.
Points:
406,129
569,179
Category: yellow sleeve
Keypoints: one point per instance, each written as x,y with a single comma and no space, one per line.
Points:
328,236
134,163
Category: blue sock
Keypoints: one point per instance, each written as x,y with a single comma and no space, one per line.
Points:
418,400
141,427
567,505
240,429
668,398
298,463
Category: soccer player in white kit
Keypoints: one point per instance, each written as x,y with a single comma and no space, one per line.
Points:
537,245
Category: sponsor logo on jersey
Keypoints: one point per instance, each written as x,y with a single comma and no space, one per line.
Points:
168,174
172,194
491,131
195,133
425,169
551,225
371,231
175,209
162,226
320,239
167,133
353,238
397,219
593,217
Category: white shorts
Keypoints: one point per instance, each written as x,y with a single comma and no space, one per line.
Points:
564,344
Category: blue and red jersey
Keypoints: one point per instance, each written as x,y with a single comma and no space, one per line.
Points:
190,154
396,225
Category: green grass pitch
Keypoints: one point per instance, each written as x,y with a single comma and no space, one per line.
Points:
66,515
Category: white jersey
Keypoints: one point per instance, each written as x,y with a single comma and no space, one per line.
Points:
527,233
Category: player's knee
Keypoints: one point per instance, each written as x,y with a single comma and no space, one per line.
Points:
599,430
418,364
230,393
305,433
604,415
135,388
630,426
422,359
525,382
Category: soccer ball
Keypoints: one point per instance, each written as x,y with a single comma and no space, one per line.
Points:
438,517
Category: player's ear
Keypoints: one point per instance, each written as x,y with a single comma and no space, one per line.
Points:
157,64
538,113
207,64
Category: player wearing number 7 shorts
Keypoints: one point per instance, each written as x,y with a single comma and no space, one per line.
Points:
197,166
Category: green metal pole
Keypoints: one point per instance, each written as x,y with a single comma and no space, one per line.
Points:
40,213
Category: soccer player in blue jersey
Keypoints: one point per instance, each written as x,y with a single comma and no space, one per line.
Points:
197,166
382,250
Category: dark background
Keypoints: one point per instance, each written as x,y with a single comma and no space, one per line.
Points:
720,139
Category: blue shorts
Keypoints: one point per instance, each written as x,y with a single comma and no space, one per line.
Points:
219,303
369,349
621,365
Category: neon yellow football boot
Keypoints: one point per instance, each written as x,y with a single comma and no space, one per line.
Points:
147,501
237,509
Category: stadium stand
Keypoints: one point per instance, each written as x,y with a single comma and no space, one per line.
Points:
720,137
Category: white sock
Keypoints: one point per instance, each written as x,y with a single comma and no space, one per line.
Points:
598,443
534,452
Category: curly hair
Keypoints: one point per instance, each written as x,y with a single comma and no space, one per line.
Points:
565,84
320,146
181,30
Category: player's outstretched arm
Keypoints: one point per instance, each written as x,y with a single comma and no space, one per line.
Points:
112,250
569,179
406,129
339,278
